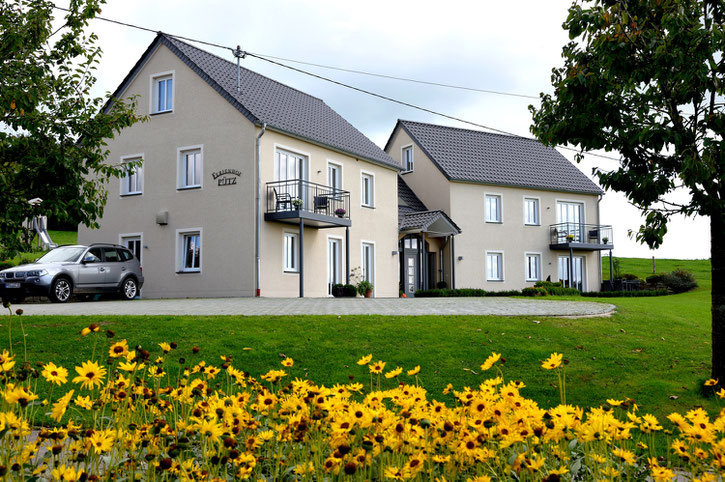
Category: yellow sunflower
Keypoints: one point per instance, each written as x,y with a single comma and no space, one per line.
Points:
118,349
55,374
90,374
554,361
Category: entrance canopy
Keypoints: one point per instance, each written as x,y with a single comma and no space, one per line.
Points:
433,223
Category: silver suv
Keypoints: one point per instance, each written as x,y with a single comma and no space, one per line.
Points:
65,270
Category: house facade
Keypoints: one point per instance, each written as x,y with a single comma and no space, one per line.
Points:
247,186
518,212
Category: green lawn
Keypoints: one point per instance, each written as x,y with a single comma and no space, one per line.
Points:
655,350
58,237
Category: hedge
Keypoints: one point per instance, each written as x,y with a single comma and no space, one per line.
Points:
624,294
463,293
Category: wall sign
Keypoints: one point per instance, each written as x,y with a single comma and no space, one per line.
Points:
226,177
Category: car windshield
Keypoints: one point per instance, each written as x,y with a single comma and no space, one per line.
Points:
62,254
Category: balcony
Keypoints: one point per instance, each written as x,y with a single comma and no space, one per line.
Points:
580,237
296,201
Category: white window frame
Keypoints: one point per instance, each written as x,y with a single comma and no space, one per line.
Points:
486,197
584,270
538,211
339,239
137,171
181,167
294,267
403,163
526,266
501,266
180,235
371,277
123,236
153,97
371,176
338,165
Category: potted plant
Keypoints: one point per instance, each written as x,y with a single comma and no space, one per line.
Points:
365,288
340,212
338,290
297,203
569,238
349,291
605,240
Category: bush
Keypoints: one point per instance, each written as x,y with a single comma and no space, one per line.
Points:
441,285
463,293
556,289
349,291
504,293
680,281
337,290
5,265
656,279
534,292
629,277
624,294
547,284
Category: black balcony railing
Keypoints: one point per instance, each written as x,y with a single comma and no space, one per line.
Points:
300,195
593,235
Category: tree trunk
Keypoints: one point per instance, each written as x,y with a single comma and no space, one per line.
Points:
717,250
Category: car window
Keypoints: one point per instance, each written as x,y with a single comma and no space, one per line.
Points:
125,254
111,255
62,254
93,256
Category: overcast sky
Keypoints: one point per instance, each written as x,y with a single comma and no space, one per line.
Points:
501,46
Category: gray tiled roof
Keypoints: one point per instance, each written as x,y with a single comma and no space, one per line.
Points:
283,108
423,220
408,202
482,157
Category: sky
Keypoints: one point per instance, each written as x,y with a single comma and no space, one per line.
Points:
501,46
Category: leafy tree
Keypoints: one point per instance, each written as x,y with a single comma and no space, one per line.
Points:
645,78
52,130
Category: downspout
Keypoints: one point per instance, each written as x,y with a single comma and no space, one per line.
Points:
259,211
599,223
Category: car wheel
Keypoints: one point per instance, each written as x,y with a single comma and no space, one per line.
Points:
129,289
61,290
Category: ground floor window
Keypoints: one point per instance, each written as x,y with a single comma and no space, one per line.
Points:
533,267
494,266
368,262
133,243
290,253
190,251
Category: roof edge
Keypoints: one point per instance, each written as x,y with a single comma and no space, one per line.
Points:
528,186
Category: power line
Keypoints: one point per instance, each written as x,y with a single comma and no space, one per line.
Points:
342,84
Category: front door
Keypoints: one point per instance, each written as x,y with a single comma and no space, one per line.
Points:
410,271
577,272
334,264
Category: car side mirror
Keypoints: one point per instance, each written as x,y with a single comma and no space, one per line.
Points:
88,259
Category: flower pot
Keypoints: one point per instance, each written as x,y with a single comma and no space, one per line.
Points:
368,293
338,292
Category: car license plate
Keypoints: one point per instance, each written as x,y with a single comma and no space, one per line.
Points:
12,285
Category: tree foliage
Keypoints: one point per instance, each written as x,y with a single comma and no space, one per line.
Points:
645,79
52,130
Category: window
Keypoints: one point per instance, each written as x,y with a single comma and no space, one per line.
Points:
493,208
367,193
408,159
291,253
533,267
334,177
162,99
190,251
132,181
133,243
494,266
191,162
531,211
368,262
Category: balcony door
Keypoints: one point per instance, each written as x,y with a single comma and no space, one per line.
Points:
572,215
334,263
290,167
577,272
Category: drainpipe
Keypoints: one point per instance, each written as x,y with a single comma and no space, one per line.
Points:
599,223
259,211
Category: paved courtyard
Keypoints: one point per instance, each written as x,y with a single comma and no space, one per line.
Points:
323,306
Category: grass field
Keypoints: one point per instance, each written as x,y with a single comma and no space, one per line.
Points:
58,237
654,350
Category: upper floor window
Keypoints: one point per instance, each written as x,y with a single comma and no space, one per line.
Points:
132,181
531,211
334,175
190,167
408,158
493,208
162,98
367,192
